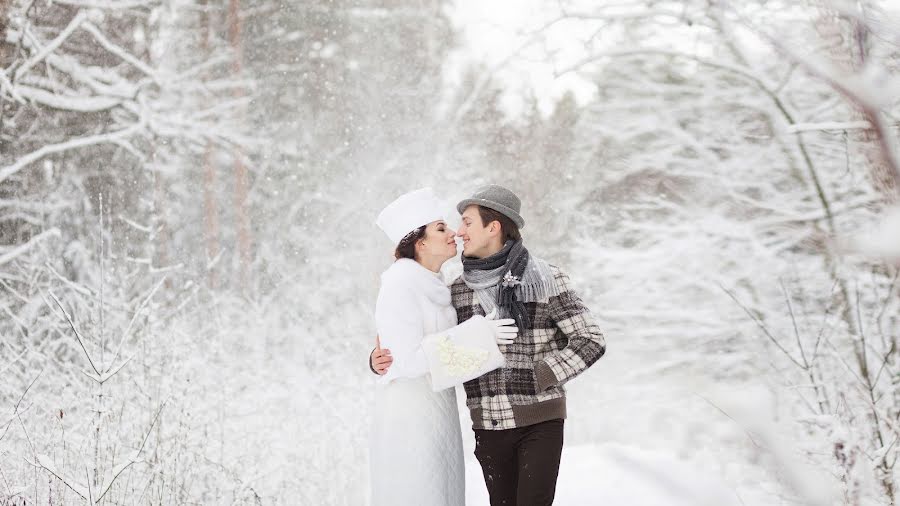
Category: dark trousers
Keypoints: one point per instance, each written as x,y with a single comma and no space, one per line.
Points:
520,465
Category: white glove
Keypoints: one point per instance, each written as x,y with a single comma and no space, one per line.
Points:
505,330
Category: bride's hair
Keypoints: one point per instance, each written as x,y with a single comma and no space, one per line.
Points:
407,246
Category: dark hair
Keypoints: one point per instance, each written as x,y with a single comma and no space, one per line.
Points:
407,246
510,229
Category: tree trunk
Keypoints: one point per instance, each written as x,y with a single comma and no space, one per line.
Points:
211,212
241,218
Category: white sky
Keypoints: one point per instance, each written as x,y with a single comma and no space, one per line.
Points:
493,30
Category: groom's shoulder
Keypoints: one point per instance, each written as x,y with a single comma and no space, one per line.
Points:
552,267
563,283
556,271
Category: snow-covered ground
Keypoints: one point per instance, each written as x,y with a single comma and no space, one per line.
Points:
617,475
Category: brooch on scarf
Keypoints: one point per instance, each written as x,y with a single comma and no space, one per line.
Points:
510,280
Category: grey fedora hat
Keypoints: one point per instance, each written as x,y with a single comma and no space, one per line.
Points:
499,199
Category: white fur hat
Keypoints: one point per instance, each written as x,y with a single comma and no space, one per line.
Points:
409,212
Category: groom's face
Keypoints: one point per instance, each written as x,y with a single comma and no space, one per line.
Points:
475,236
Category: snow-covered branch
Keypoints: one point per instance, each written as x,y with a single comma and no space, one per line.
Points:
111,5
870,91
9,256
67,103
26,160
118,51
44,51
747,73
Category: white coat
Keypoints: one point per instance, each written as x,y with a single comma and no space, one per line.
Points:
416,453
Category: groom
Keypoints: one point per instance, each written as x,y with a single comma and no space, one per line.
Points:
518,410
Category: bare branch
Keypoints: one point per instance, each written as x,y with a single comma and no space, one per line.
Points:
137,313
720,410
18,403
790,307
762,326
114,474
77,334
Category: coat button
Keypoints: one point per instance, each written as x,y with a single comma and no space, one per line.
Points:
492,394
494,422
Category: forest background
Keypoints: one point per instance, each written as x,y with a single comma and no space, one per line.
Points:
188,261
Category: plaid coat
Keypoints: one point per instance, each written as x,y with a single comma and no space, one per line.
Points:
562,342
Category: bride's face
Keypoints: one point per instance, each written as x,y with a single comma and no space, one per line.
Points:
439,241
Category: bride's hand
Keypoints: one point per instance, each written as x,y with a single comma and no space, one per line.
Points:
380,358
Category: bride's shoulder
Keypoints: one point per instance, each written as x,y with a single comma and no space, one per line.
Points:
401,273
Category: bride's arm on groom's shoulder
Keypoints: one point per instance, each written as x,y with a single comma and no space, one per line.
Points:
399,322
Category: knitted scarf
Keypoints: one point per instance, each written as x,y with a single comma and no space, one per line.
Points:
509,279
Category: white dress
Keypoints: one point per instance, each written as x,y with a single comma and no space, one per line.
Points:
416,453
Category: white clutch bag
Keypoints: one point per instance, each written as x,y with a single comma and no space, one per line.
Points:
462,353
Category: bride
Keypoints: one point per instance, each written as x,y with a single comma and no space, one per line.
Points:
416,454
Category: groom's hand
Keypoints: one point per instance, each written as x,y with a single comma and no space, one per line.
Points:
380,360
505,330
